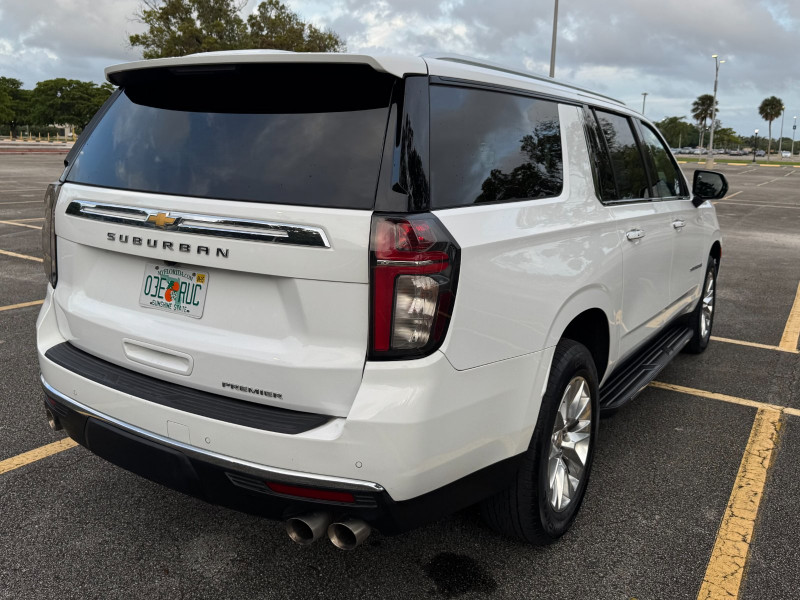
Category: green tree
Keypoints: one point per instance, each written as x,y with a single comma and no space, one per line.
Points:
181,27
67,101
701,112
273,25
14,103
678,132
770,109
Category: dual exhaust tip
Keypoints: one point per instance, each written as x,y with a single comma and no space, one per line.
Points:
345,535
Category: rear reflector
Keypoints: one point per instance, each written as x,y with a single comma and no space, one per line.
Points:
314,494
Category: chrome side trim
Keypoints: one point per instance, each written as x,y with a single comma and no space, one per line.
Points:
226,227
226,462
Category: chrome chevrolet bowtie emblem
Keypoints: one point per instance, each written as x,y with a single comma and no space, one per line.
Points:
161,220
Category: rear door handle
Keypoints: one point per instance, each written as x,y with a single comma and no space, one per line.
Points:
634,234
679,224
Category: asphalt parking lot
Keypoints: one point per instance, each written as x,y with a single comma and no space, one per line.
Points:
693,494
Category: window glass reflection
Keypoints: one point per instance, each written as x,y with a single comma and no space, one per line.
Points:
491,147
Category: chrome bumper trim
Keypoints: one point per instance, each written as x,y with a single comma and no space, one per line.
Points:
227,462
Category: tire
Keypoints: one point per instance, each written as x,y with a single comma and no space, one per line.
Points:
701,320
529,509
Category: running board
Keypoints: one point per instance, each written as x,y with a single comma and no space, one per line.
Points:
636,373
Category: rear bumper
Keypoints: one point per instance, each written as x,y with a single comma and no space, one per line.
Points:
415,429
242,486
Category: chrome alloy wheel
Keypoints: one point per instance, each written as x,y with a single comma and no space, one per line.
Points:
569,444
707,310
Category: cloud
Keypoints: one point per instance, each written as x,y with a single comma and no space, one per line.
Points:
619,47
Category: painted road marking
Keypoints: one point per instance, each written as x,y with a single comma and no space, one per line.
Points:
21,305
766,165
20,224
748,171
733,195
766,182
36,189
737,164
29,219
26,458
754,345
793,412
25,256
728,560
23,202
781,206
791,333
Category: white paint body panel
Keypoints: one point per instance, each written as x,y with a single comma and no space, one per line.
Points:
295,319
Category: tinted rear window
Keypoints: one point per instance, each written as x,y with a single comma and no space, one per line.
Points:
491,147
285,134
629,171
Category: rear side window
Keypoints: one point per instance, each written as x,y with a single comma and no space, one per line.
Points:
492,147
626,159
285,134
669,182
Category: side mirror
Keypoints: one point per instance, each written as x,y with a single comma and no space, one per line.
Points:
708,185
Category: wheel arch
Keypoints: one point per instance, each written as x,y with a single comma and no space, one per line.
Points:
588,318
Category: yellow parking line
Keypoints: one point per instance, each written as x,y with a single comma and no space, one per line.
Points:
20,305
794,412
791,333
20,224
738,164
682,162
766,165
728,560
15,462
15,255
754,345
733,195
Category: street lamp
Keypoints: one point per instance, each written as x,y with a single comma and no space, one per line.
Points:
644,99
710,159
794,128
780,141
755,145
553,47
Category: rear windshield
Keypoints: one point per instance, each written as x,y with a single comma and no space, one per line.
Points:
284,134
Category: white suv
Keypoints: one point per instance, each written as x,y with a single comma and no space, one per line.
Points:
351,291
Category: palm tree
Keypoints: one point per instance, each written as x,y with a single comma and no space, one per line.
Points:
770,109
701,112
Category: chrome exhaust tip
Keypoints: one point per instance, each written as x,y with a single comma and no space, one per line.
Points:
348,534
307,529
52,420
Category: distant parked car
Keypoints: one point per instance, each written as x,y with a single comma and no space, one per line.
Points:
761,153
786,154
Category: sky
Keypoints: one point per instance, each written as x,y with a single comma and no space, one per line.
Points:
617,47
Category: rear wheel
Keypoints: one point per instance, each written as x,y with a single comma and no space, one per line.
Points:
702,318
541,504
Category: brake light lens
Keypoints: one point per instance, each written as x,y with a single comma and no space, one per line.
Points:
313,493
414,270
49,233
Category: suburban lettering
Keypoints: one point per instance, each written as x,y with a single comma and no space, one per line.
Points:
111,237
222,253
137,241
166,245
184,247
152,243
202,250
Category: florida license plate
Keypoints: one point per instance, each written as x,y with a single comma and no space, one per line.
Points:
174,289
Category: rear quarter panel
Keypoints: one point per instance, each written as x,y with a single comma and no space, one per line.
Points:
528,268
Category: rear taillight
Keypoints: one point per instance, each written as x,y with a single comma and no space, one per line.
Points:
49,233
414,264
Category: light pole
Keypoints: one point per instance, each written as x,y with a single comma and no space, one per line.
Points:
644,99
780,141
755,145
794,128
710,159
553,47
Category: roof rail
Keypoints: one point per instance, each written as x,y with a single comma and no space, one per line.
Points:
467,60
